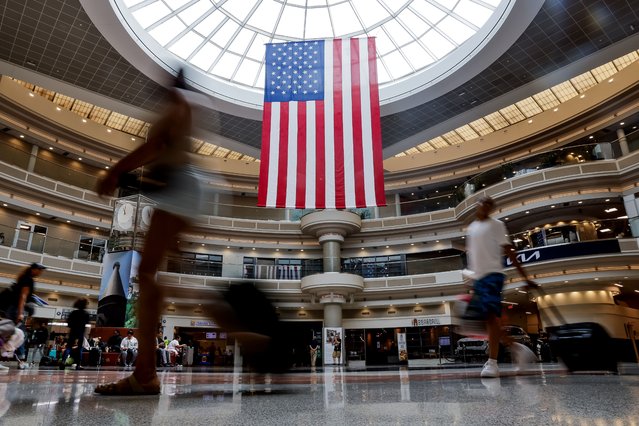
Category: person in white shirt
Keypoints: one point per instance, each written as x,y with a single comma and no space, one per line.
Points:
129,349
175,348
487,242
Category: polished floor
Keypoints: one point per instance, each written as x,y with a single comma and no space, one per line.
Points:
545,395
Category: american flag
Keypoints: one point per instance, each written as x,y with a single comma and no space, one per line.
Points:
321,134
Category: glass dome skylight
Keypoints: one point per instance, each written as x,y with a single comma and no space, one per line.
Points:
225,38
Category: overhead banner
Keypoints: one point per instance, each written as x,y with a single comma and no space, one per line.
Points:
333,341
118,290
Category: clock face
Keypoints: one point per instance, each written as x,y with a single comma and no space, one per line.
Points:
124,216
147,213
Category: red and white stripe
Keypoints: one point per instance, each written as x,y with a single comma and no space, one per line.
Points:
327,154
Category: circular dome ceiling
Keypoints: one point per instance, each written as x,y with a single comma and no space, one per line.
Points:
225,39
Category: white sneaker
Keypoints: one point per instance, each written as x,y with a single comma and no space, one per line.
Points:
523,356
490,369
3,367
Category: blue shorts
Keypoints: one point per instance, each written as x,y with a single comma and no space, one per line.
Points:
487,295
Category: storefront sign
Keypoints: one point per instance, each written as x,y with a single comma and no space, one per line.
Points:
203,323
560,251
426,321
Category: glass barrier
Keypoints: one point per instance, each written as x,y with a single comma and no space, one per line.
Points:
48,168
556,158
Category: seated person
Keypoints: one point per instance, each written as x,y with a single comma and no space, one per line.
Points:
176,349
113,344
162,354
129,349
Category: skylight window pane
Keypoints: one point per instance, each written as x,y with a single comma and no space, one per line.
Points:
382,43
529,107
564,91
224,34
467,132
428,11
413,22
291,22
453,138
473,12
604,72
318,23
226,65
192,13
546,99
437,44
47,94
625,60
63,101
456,30
116,120
438,142
370,11
424,147
398,66
81,108
99,115
398,33
448,4
393,5
132,126
412,151
242,41
186,45
481,126
210,23
382,71
344,19
260,79
496,120
512,114
258,47
145,130
583,82
205,57
265,17
151,14
207,148
234,155
176,4
416,54
166,31
247,72
221,152
238,9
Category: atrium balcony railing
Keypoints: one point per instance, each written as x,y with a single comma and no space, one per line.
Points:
42,166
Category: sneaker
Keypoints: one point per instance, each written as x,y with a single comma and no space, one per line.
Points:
3,367
523,356
490,369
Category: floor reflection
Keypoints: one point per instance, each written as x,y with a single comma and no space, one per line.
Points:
332,395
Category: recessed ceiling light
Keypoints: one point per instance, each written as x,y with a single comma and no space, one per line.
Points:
590,137
203,245
31,94
51,147
109,130
132,139
610,80
530,121
622,123
21,136
106,167
580,202
5,204
556,109
80,158
387,246
527,211
84,120
618,285
412,244
607,199
58,109
302,250
552,207
37,214
68,221
582,96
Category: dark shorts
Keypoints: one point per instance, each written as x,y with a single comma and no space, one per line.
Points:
487,295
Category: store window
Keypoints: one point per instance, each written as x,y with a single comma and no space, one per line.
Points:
375,266
91,248
280,269
196,264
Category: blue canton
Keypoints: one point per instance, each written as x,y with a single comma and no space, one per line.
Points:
294,71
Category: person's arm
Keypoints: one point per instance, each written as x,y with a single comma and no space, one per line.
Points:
147,152
511,253
22,300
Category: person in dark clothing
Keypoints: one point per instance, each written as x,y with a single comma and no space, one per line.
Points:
114,342
23,292
77,322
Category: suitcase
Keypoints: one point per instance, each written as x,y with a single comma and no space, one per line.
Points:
583,346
